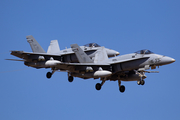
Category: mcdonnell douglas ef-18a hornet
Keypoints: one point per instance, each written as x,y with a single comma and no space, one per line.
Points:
129,67
67,55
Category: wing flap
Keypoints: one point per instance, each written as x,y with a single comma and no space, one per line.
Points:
28,56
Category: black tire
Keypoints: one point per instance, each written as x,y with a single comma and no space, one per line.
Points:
142,82
48,75
122,88
98,86
70,78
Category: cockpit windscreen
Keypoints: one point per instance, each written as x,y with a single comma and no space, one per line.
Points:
145,51
92,45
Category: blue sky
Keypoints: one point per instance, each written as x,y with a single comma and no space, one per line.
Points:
122,25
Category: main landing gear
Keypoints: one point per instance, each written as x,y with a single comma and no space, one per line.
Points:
70,78
49,74
99,85
121,87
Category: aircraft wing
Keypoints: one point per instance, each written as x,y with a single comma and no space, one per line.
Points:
88,64
84,64
29,56
72,67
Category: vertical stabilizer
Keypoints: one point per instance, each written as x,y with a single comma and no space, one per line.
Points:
53,47
101,56
34,44
80,54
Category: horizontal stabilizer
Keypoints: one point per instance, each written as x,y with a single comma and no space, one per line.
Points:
15,60
80,54
34,44
152,71
53,47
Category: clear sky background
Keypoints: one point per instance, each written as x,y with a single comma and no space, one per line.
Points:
123,25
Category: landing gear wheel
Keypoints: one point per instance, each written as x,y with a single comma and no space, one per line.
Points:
139,82
70,78
98,86
122,88
49,74
142,82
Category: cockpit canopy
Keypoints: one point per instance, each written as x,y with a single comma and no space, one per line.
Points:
92,45
145,51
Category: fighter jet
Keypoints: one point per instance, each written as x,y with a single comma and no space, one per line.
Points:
34,58
129,67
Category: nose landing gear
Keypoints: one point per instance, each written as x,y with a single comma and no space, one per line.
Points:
141,82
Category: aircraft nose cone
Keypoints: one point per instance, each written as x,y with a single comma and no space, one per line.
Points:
173,60
117,53
167,60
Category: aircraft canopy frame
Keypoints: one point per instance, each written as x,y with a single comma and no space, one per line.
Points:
92,45
144,51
